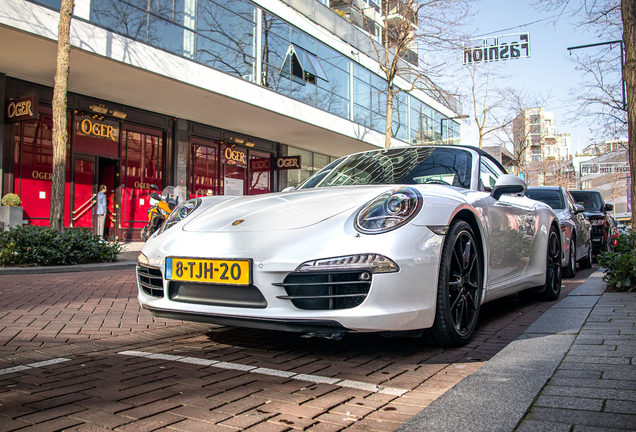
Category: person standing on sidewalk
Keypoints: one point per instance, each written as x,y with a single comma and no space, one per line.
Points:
101,210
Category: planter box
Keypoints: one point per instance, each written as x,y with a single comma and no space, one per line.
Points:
11,216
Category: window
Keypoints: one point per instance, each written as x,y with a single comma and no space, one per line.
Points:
301,66
310,164
487,176
551,197
489,173
204,169
141,167
591,200
570,201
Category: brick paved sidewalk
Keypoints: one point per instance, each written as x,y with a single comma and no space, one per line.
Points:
62,367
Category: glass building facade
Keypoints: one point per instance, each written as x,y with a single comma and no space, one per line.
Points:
244,40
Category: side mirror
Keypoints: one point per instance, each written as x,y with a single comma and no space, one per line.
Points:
154,187
288,189
609,207
578,208
156,196
508,184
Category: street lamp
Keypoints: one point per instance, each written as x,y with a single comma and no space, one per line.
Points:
441,124
623,82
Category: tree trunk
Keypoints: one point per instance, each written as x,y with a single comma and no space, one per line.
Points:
60,127
628,12
389,119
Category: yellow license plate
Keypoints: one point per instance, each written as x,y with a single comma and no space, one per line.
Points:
231,272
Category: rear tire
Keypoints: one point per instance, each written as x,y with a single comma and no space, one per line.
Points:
570,270
553,276
459,288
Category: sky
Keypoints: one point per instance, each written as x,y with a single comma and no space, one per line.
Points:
547,70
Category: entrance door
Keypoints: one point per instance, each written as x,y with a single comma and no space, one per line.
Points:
234,167
84,192
107,174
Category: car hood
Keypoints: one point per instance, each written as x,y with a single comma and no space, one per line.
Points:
281,211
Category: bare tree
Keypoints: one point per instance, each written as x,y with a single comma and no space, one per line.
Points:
492,109
414,29
60,127
609,19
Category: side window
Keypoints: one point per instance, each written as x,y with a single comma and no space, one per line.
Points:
571,201
487,176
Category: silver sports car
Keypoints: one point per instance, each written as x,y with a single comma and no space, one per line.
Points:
575,227
404,239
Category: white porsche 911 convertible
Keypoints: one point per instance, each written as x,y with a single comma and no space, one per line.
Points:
394,240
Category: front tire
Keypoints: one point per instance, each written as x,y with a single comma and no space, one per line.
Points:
570,270
459,288
553,276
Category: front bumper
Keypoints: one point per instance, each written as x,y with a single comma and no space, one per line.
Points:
400,301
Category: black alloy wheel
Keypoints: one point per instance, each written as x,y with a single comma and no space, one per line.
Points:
553,276
570,270
459,288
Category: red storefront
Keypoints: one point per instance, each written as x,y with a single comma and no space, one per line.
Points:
218,168
127,150
100,151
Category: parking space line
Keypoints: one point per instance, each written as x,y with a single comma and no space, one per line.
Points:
275,372
32,365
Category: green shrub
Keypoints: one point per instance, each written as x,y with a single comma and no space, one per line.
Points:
11,200
42,246
620,265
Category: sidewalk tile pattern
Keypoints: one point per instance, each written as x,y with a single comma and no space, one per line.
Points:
594,388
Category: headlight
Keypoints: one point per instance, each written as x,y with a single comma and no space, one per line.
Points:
389,211
142,259
374,262
181,212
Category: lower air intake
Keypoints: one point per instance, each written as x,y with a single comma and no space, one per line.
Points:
326,291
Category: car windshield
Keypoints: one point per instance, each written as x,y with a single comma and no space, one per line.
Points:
550,197
412,165
590,200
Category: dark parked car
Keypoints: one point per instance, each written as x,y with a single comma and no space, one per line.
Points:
575,227
597,212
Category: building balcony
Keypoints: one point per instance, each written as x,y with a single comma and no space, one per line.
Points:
400,15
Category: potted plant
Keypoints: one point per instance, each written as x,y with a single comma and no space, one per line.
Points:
10,212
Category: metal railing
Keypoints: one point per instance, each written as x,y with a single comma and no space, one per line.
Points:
86,206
